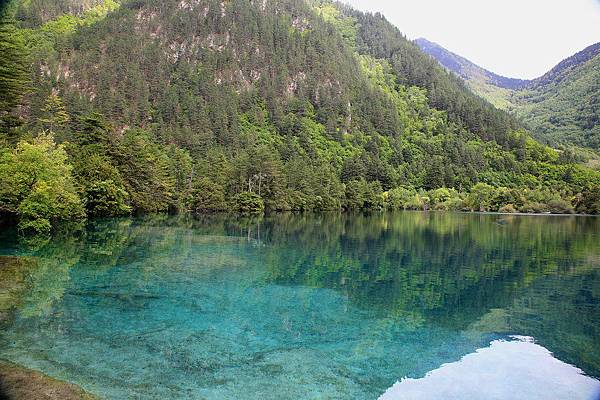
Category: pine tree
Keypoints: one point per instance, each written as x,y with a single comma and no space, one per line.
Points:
54,114
14,68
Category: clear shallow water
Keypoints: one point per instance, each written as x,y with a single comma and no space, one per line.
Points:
308,307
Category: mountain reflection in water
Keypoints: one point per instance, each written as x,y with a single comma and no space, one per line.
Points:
518,369
336,306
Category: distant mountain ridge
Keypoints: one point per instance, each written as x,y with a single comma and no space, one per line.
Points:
467,69
561,106
567,64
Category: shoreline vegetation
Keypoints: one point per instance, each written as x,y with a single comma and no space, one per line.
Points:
21,383
44,185
41,189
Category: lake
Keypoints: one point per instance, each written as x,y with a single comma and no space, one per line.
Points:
403,305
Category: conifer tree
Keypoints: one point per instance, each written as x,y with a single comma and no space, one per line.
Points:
54,114
14,68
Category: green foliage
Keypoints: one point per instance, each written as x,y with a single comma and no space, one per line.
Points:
146,172
248,203
35,13
562,106
508,209
419,201
99,179
544,201
481,197
381,40
588,201
37,186
106,198
131,172
14,69
346,26
400,198
208,196
64,15
446,199
54,114
296,106
363,195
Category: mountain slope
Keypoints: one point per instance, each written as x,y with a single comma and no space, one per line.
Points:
465,68
564,104
494,88
33,13
567,65
380,39
215,47
561,106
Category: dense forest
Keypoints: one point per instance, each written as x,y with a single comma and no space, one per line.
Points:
561,107
110,108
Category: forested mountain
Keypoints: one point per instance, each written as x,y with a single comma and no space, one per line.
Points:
33,13
562,106
206,105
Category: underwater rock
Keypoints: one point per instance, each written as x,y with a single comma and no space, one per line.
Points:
17,383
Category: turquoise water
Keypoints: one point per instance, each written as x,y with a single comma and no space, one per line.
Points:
309,307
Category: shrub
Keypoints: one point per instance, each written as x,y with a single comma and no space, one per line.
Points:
248,203
481,197
588,201
326,202
508,208
106,198
373,196
502,197
446,199
440,195
295,201
399,198
454,204
560,206
534,207
419,201
36,185
208,196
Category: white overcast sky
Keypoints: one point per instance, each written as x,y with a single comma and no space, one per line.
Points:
514,38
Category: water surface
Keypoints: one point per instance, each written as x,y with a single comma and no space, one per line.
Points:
310,307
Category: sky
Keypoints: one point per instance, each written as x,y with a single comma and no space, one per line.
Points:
514,38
